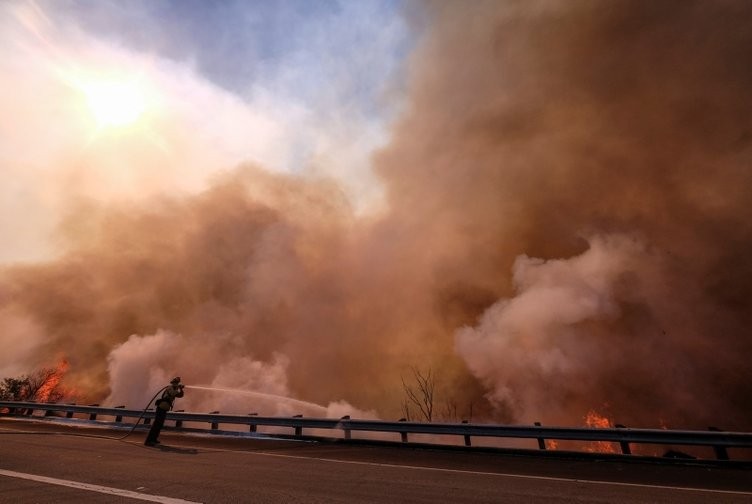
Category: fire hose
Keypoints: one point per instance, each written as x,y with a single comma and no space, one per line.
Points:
143,413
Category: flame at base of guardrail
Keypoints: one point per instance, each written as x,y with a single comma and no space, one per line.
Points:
597,421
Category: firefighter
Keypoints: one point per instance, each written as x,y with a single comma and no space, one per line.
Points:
164,404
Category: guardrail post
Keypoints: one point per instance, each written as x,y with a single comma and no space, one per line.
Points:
541,441
720,451
214,425
147,420
298,428
119,418
70,413
93,416
252,427
347,431
179,423
467,436
30,411
403,435
625,448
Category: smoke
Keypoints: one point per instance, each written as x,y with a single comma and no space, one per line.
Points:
143,364
556,336
566,228
537,123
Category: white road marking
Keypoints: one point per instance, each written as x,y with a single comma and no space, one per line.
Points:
95,488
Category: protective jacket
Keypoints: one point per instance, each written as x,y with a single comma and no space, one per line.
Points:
168,397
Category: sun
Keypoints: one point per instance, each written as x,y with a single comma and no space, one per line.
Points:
113,103
116,105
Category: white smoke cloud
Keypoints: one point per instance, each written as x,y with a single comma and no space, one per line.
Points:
339,409
142,365
139,367
541,334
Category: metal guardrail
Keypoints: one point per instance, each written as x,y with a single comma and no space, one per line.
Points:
718,440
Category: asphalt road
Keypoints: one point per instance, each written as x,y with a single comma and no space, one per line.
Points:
42,462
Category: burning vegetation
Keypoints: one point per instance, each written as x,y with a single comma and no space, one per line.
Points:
43,385
597,421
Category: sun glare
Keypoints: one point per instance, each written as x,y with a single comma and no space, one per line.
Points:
114,103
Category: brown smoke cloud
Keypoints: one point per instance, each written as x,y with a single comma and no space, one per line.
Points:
536,125
567,229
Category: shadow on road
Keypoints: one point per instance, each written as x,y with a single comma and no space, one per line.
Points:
173,449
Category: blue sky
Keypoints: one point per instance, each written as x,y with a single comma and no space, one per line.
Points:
299,48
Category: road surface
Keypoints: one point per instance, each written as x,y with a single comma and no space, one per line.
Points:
44,462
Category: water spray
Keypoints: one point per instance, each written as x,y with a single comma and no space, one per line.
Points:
299,402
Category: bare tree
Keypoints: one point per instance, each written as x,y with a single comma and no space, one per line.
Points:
421,395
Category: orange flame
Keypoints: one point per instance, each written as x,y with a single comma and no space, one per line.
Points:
51,385
597,421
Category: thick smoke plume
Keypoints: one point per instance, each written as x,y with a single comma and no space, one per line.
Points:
567,229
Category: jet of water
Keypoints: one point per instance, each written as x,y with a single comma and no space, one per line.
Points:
288,400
